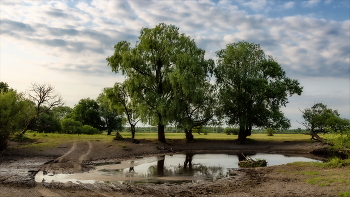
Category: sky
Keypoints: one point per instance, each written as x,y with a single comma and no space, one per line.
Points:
65,43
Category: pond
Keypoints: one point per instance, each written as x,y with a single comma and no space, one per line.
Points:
177,168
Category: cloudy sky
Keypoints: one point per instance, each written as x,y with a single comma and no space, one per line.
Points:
66,43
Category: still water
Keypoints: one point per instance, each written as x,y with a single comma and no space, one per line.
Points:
167,169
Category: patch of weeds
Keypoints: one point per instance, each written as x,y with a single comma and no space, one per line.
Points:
320,181
344,194
334,179
332,163
336,163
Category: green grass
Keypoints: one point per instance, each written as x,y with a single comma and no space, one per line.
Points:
47,140
344,194
222,136
335,174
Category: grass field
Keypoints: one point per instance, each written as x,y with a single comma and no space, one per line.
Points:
52,139
222,136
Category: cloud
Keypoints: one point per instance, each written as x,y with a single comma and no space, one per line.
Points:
305,46
255,5
310,3
289,5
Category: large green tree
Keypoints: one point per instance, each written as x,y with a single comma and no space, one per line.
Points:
159,53
320,119
87,111
252,88
195,108
120,99
111,118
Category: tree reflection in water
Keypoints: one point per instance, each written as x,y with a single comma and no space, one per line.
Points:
188,169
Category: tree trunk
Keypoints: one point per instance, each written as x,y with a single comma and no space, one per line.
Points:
189,135
133,130
109,131
244,132
27,126
161,134
242,135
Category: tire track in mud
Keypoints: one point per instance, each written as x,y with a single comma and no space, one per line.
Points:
83,157
59,159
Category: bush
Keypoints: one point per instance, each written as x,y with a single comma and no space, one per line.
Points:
230,130
71,126
270,132
15,111
87,129
341,142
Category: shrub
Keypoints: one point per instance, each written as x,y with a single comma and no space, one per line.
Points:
15,111
87,129
270,132
71,126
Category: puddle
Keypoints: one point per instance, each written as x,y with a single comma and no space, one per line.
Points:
166,169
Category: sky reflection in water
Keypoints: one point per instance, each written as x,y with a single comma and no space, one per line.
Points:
168,168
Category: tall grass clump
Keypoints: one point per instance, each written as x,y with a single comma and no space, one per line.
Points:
340,142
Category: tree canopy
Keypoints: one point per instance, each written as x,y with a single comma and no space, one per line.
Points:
111,118
161,58
252,87
319,118
15,110
87,112
45,98
120,99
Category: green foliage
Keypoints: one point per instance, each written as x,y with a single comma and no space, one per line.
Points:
252,88
46,122
340,142
45,99
71,126
109,113
61,112
231,130
162,65
87,129
4,87
319,118
87,111
119,99
344,194
270,131
15,110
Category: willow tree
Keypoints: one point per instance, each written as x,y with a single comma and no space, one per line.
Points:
120,99
159,53
252,88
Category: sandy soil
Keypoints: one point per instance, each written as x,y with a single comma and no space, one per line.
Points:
18,167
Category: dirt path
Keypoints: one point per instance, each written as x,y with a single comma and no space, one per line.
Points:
82,157
59,159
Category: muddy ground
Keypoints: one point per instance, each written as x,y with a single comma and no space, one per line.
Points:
18,166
